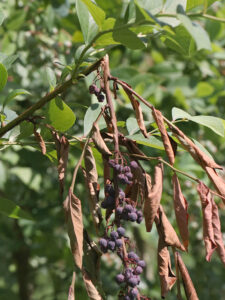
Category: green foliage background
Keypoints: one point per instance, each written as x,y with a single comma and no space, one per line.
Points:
166,66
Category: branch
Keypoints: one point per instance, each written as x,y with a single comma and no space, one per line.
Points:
194,15
49,96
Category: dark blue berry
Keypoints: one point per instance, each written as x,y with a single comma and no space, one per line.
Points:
118,167
134,292
103,243
122,178
132,281
111,245
134,164
128,208
112,163
139,220
121,194
138,270
139,213
119,210
133,256
120,278
121,231
126,169
114,235
141,263
128,273
100,97
93,89
119,243
132,216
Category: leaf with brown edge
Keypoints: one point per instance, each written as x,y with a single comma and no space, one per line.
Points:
187,282
217,181
92,292
153,196
71,294
74,220
217,232
196,153
40,140
208,232
166,275
138,112
167,231
180,207
98,140
165,138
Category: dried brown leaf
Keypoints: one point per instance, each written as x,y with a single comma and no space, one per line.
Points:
180,207
138,112
187,282
208,233
217,181
196,153
74,219
90,165
62,162
153,196
166,230
137,189
92,292
98,141
166,275
165,138
40,140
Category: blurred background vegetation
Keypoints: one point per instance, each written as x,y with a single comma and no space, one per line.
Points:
36,262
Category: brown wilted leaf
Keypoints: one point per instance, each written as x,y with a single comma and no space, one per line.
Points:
198,155
74,219
153,196
90,166
40,140
165,138
92,292
217,232
98,140
166,275
187,282
217,181
166,230
208,233
71,295
137,189
180,207
138,112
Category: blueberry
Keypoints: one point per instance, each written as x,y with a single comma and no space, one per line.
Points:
100,97
128,208
129,175
112,163
139,220
128,273
111,245
114,235
92,88
133,256
134,164
121,231
103,243
119,243
132,281
132,216
120,278
118,167
138,270
134,292
141,263
126,169
122,178
121,194
139,213
126,297
119,210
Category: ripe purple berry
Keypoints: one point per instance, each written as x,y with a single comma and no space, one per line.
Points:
134,292
126,297
128,208
139,220
141,263
112,163
92,88
132,281
133,256
128,273
100,97
121,231
103,243
114,235
120,278
111,245
132,216
121,194
139,213
138,270
119,243
129,175
119,210
126,169
134,164
118,167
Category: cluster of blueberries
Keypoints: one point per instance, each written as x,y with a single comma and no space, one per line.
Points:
93,89
130,276
114,241
124,172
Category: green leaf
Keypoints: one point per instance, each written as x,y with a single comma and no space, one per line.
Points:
88,26
152,141
202,148
196,31
7,60
128,38
90,116
97,13
2,17
60,115
153,6
194,3
3,76
204,89
10,209
215,124
14,94
51,78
